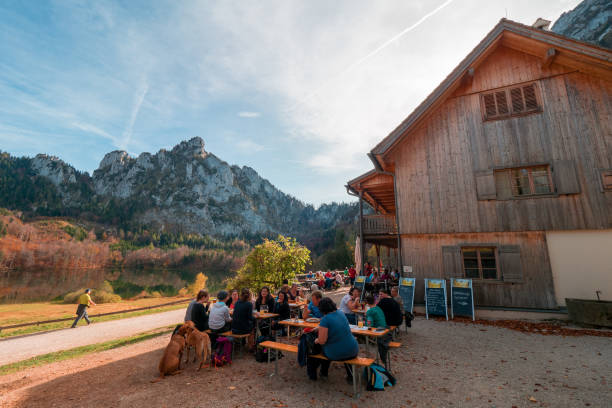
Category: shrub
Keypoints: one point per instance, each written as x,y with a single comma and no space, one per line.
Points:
72,297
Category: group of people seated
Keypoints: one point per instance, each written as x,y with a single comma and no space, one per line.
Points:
373,275
236,312
327,280
333,334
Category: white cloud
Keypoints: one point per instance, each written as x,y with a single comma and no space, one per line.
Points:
249,114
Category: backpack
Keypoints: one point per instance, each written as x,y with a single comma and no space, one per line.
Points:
222,354
261,353
377,377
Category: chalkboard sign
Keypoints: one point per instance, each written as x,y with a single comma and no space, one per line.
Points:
435,298
406,292
462,298
360,282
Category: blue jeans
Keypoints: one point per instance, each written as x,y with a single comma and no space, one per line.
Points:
351,317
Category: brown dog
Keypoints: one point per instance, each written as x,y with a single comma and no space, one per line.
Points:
170,363
201,343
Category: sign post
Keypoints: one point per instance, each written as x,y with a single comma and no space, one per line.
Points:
360,284
406,292
462,298
435,298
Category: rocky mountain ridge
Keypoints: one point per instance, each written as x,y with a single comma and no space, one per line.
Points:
184,189
589,21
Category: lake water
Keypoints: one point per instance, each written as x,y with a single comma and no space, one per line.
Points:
44,284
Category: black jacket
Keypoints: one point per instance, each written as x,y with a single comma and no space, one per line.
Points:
283,310
199,316
391,310
242,319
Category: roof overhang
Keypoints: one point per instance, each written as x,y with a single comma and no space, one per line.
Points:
377,188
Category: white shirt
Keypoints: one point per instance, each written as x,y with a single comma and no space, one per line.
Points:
344,304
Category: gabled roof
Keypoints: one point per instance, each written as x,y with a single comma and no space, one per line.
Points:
582,56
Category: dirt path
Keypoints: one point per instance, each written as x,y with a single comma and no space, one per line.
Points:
441,364
16,349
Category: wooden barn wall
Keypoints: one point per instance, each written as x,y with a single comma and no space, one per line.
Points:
435,164
424,253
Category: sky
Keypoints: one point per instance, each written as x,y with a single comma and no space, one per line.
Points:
300,91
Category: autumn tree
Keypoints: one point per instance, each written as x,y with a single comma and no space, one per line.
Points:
198,284
271,262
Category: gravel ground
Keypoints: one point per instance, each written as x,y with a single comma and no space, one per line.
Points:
441,364
21,348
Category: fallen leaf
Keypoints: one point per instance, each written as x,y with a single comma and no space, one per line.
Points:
232,387
533,399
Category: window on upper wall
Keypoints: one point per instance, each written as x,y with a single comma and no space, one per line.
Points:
510,101
524,181
606,180
480,262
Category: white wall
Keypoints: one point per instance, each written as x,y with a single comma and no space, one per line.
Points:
581,263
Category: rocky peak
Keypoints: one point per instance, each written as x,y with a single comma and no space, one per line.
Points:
53,168
116,160
191,148
589,21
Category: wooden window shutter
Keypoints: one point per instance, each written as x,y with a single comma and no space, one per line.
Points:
503,185
565,177
485,185
451,262
502,103
510,263
489,105
531,101
606,180
517,100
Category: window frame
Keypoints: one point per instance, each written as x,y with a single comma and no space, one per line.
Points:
509,105
478,248
604,174
508,171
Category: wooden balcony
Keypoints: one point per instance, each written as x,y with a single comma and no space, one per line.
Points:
379,225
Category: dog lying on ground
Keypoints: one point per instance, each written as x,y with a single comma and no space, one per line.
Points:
170,363
201,343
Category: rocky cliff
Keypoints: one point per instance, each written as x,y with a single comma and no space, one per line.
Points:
590,21
185,189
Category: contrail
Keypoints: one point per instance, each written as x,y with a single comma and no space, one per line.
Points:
377,50
139,98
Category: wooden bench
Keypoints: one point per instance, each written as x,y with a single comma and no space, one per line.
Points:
289,348
233,336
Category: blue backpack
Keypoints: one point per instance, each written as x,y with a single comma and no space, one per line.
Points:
377,377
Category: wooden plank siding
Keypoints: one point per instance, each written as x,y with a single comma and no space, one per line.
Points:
536,290
435,165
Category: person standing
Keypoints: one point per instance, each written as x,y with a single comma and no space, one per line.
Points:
84,302
352,272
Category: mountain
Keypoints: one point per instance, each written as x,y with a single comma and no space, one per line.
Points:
589,21
185,189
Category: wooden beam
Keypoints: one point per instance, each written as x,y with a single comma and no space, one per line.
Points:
549,57
468,77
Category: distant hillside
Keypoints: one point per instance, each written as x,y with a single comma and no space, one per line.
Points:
590,21
182,190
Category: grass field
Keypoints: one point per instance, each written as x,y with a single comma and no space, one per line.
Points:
31,312
80,351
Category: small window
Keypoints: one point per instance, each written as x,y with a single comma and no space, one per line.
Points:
527,181
508,102
480,263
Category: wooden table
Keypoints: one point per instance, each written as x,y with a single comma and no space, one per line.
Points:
366,332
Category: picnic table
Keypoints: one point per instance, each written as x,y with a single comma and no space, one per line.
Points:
367,332
262,316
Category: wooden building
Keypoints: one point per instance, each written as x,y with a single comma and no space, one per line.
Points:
504,173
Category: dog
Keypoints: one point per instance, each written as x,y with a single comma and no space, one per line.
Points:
170,363
183,329
201,343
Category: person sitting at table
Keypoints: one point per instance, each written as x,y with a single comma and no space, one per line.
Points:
329,279
199,311
391,309
385,276
335,337
313,307
349,302
243,320
375,317
339,279
281,307
264,299
285,288
293,293
233,298
219,319
309,275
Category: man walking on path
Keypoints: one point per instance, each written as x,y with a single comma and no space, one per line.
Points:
84,302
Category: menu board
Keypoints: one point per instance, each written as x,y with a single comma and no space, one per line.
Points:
462,298
406,292
360,282
435,298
